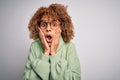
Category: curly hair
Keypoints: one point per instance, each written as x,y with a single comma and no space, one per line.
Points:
55,11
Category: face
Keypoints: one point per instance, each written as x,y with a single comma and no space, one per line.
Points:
50,27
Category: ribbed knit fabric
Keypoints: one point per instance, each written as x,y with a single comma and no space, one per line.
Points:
64,65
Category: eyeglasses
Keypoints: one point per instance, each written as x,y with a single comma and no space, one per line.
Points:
53,24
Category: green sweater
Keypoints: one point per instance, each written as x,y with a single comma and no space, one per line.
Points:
64,65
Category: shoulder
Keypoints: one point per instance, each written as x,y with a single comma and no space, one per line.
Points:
70,50
70,44
36,48
36,45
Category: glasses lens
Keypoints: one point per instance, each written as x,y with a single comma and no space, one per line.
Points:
43,25
53,25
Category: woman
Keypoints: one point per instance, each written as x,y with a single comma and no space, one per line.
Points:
52,54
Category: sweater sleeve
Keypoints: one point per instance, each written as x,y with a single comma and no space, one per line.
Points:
73,71
36,68
62,69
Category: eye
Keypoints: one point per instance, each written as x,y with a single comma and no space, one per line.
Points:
43,24
54,24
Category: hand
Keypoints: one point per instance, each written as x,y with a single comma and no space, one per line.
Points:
55,43
44,43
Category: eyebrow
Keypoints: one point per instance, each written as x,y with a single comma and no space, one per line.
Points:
47,21
54,20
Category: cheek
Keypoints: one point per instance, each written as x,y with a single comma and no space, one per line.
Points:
58,32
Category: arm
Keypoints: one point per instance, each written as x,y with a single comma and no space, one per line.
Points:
66,69
36,68
73,72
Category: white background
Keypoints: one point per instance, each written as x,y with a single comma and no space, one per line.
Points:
97,36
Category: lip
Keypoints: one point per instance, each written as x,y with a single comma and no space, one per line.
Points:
48,38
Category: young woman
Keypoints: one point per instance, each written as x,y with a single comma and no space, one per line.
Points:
52,54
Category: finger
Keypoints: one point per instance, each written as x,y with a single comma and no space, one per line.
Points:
40,31
55,39
42,36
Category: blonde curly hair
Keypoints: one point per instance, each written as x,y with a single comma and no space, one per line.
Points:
56,11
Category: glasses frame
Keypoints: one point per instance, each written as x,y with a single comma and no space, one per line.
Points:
50,24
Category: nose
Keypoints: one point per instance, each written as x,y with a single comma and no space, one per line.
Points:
48,28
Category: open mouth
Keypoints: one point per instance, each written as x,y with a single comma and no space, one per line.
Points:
48,38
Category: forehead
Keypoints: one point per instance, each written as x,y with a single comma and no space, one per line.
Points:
49,18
